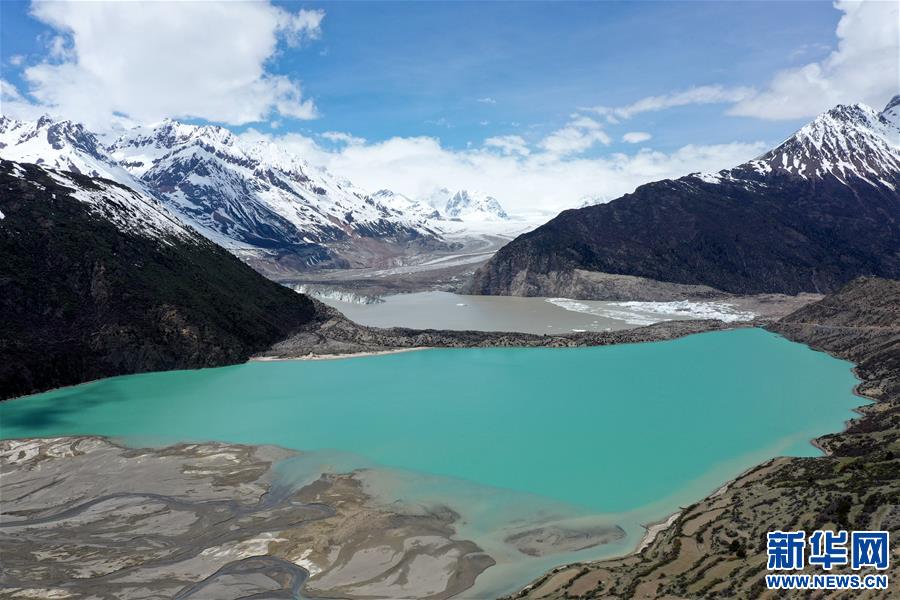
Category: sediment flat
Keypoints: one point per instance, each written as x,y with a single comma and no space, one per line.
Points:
85,517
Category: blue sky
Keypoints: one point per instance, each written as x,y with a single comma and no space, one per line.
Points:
367,87
403,68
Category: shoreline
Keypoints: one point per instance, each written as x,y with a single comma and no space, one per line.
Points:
343,334
654,529
715,541
339,356
334,335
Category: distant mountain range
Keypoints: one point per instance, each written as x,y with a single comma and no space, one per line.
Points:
253,198
813,213
465,205
99,279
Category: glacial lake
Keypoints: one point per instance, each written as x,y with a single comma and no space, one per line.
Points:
509,438
444,310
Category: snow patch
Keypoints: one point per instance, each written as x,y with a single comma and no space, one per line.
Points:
647,313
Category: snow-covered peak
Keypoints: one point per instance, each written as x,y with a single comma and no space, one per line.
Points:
60,145
240,193
406,205
891,113
466,205
138,149
846,141
257,192
129,210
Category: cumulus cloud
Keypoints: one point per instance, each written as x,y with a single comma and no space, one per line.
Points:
579,134
508,144
704,94
487,100
150,60
636,137
865,67
538,182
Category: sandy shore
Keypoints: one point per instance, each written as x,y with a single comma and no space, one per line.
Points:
654,529
336,356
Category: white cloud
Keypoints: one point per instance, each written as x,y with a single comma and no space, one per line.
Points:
538,182
487,100
865,67
150,60
579,134
508,144
13,104
636,137
440,122
300,27
704,94
8,92
339,137
16,60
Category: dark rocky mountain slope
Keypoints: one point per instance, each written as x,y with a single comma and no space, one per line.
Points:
99,280
812,214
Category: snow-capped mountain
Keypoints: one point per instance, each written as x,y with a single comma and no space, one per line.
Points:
461,215
406,205
256,192
129,210
100,280
816,211
467,205
242,195
62,145
844,143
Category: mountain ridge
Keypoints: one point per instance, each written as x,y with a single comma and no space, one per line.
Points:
84,297
814,212
246,196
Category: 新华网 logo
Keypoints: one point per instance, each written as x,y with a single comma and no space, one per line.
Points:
825,549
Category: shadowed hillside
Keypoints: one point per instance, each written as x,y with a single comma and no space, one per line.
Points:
97,280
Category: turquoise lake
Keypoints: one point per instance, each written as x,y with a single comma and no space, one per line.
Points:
619,434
